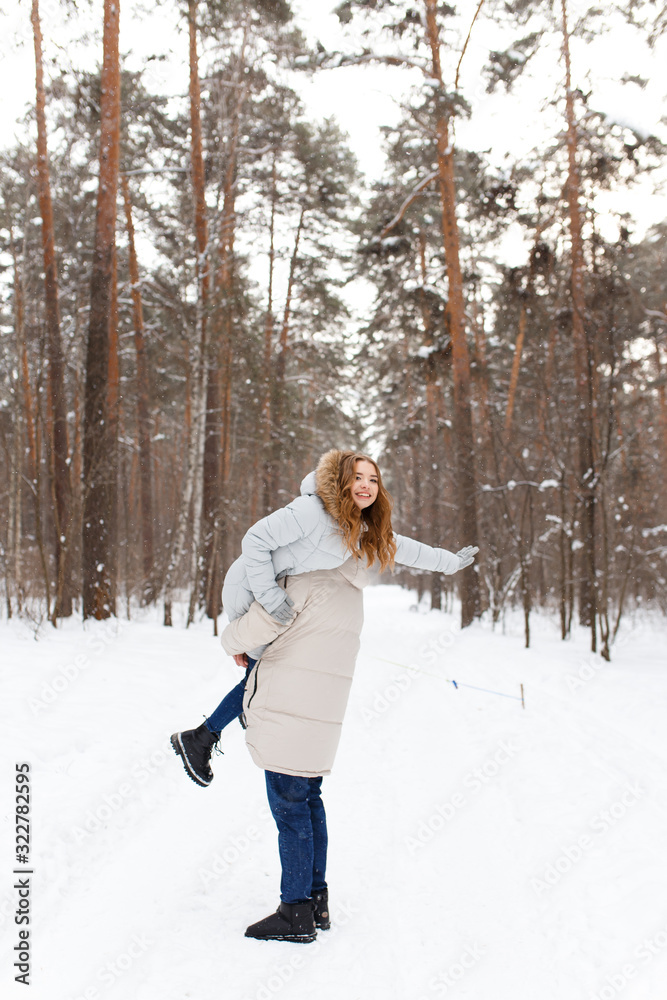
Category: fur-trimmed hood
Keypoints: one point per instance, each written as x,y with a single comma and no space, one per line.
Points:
327,483
323,482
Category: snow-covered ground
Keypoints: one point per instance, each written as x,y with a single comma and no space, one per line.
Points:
477,849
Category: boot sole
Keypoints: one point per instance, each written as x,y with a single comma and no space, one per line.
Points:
303,939
179,749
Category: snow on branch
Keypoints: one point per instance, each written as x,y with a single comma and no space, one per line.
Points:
155,170
648,532
656,314
335,60
546,484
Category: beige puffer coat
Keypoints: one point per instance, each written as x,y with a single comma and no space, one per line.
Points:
297,693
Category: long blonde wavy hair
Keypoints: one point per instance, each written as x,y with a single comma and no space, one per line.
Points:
366,532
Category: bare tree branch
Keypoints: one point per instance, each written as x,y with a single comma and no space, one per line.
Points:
463,50
408,201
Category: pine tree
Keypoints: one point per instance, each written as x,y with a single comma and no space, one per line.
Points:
99,446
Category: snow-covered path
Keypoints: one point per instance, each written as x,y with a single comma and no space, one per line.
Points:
477,850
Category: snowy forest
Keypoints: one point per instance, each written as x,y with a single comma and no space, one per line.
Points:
179,340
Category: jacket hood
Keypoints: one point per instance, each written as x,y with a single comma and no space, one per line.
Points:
323,482
326,482
308,485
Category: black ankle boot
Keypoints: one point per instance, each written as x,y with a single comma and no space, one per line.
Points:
321,909
195,746
290,922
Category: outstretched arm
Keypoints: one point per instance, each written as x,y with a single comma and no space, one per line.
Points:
418,555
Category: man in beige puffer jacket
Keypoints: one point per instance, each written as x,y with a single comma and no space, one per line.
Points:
294,705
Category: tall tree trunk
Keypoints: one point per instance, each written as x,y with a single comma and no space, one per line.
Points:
465,445
38,491
31,416
112,460
197,165
21,412
187,540
432,451
516,367
564,551
29,413
603,585
662,423
62,486
217,456
266,451
78,383
481,377
99,472
280,449
582,360
143,410
219,375
12,555
525,546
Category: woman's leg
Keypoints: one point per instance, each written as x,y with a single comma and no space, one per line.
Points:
289,802
231,705
318,821
195,746
294,920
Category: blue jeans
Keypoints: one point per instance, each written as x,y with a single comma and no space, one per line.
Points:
231,705
298,810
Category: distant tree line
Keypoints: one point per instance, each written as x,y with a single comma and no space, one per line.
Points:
176,348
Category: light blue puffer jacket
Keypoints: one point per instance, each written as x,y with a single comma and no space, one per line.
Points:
299,538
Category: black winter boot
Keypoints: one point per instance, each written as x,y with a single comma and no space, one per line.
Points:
290,922
321,909
194,746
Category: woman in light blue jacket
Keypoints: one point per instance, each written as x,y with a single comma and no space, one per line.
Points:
343,509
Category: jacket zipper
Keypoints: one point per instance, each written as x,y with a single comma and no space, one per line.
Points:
254,690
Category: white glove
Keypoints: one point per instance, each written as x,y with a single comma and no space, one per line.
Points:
467,555
283,613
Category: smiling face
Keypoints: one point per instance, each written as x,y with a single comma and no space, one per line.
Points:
364,486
